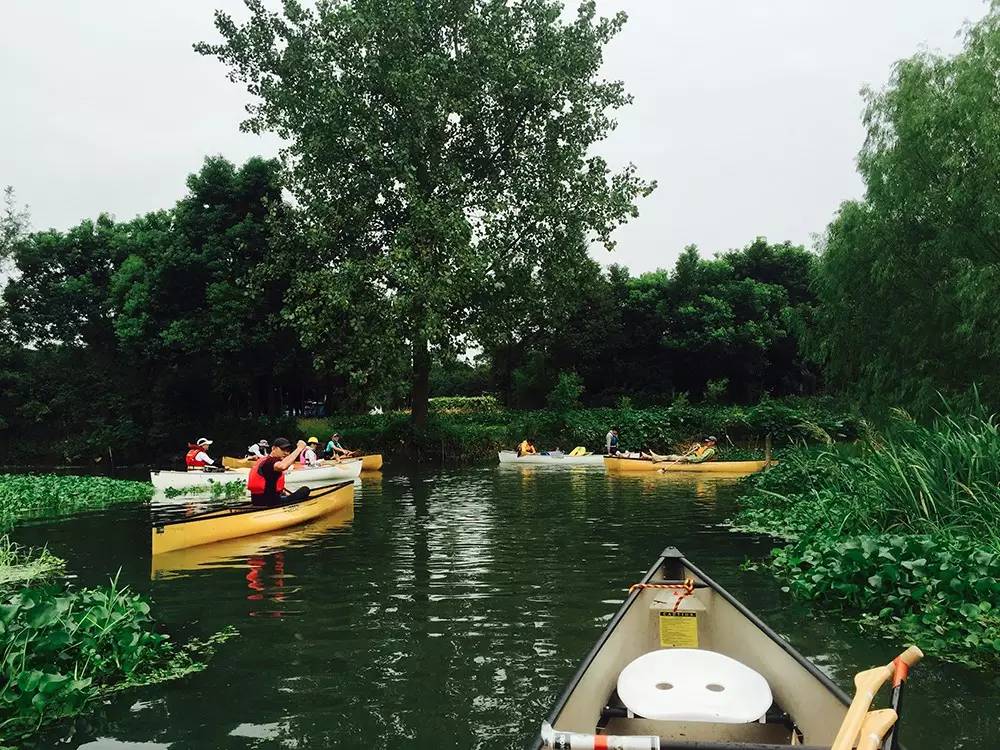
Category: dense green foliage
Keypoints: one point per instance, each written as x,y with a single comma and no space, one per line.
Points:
907,530
721,329
478,434
443,158
32,495
63,648
909,276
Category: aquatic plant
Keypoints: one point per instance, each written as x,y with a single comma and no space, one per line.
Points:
22,566
31,495
229,491
63,648
904,527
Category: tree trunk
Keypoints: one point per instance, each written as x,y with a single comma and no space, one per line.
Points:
421,384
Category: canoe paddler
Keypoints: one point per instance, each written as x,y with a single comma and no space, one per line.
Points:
696,454
259,449
611,442
334,449
267,477
197,459
309,456
527,447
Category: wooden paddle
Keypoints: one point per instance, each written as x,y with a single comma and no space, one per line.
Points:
901,671
866,685
874,727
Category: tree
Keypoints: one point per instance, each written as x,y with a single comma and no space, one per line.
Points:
14,223
441,155
910,275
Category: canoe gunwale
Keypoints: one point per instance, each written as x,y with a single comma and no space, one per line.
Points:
246,510
673,556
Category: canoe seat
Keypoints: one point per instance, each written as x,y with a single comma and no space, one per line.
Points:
683,684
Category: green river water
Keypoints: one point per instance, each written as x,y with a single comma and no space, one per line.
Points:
447,612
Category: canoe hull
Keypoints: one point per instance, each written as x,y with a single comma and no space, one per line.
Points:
368,463
537,459
179,480
625,465
718,622
234,523
371,462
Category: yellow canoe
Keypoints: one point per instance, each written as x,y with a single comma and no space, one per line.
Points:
231,523
237,463
371,462
621,464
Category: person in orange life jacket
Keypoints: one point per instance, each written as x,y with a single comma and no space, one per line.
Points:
267,477
197,458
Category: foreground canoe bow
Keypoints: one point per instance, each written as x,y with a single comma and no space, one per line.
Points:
682,649
625,464
230,523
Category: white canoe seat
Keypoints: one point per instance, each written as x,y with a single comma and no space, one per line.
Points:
683,684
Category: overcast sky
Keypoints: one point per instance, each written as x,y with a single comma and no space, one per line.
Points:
746,112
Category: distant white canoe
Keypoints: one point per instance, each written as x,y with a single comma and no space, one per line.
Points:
348,469
558,459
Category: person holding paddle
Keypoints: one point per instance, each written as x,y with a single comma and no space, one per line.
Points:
267,477
335,450
698,453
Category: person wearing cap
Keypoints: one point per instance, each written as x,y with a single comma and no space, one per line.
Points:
259,449
309,456
266,481
197,458
696,454
334,449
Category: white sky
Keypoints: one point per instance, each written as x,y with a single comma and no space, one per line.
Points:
747,112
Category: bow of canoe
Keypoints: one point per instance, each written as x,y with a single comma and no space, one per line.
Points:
371,462
231,523
624,464
680,618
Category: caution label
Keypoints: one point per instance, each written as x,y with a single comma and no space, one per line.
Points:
678,629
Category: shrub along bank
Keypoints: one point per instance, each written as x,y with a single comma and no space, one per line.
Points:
474,429
62,647
904,530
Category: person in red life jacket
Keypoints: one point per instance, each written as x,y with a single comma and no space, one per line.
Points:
267,477
197,458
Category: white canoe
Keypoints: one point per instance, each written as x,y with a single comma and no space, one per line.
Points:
349,469
559,459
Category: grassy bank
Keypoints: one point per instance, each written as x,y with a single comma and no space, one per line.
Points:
62,648
475,429
902,531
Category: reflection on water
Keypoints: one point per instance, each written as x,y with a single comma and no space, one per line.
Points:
449,612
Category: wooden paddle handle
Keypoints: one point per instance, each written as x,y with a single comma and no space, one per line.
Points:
874,728
911,656
866,684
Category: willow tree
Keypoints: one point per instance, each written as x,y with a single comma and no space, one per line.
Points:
441,157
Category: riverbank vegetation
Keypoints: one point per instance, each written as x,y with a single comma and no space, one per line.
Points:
902,530
62,647
476,429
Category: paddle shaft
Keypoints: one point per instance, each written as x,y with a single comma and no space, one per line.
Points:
866,685
900,673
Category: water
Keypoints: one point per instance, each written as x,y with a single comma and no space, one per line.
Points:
447,612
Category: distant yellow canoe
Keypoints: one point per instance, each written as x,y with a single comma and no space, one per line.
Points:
620,464
237,463
231,523
371,462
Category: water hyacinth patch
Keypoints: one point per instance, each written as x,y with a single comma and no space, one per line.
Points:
32,495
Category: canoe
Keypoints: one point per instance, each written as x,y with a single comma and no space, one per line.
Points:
622,464
561,459
371,462
178,480
233,553
659,651
349,468
230,523
237,463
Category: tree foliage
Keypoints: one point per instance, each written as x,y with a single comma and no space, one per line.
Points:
442,156
910,275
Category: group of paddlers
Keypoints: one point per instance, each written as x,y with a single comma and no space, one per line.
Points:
266,480
701,451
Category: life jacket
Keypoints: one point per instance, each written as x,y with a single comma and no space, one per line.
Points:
191,459
703,453
256,482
